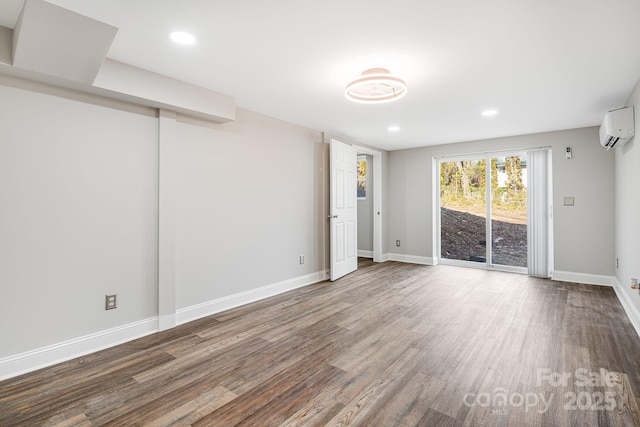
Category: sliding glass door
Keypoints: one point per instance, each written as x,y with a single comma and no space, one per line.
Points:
483,211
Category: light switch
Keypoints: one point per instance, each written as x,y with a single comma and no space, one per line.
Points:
569,201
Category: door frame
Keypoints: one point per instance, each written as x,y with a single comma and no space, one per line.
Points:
486,156
377,199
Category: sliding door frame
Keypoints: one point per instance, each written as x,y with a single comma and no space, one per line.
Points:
486,156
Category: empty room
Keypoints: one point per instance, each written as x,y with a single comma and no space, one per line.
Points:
366,213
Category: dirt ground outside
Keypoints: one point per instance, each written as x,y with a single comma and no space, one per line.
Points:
463,238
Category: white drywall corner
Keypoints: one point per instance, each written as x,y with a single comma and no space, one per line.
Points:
165,92
58,42
6,40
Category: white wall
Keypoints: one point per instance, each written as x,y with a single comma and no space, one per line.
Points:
583,234
627,206
78,209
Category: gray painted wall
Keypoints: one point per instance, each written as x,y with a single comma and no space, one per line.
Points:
79,186
583,234
627,161
78,216
365,212
248,204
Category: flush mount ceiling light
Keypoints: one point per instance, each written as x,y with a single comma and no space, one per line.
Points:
393,128
181,37
374,86
488,113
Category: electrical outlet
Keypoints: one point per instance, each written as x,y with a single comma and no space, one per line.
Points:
569,201
617,263
110,302
397,242
301,259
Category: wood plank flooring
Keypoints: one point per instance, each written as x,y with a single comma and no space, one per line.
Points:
390,345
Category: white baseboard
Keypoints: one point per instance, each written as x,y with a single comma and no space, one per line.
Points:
587,279
208,308
50,355
412,259
365,254
625,298
29,361
166,321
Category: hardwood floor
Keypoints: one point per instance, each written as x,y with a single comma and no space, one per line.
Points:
390,345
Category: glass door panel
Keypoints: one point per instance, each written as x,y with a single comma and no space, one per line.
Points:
509,211
463,210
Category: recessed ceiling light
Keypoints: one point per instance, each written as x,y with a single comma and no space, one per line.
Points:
393,128
182,37
374,86
488,113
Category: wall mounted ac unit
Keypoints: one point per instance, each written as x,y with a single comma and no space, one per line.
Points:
617,128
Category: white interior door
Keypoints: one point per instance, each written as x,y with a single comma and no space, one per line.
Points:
343,207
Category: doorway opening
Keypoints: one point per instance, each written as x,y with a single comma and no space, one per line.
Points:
344,191
369,203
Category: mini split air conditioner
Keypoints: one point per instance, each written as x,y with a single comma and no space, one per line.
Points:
617,128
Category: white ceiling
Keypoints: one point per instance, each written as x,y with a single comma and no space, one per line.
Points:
543,64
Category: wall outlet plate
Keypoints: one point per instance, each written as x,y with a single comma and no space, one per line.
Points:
569,201
110,302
